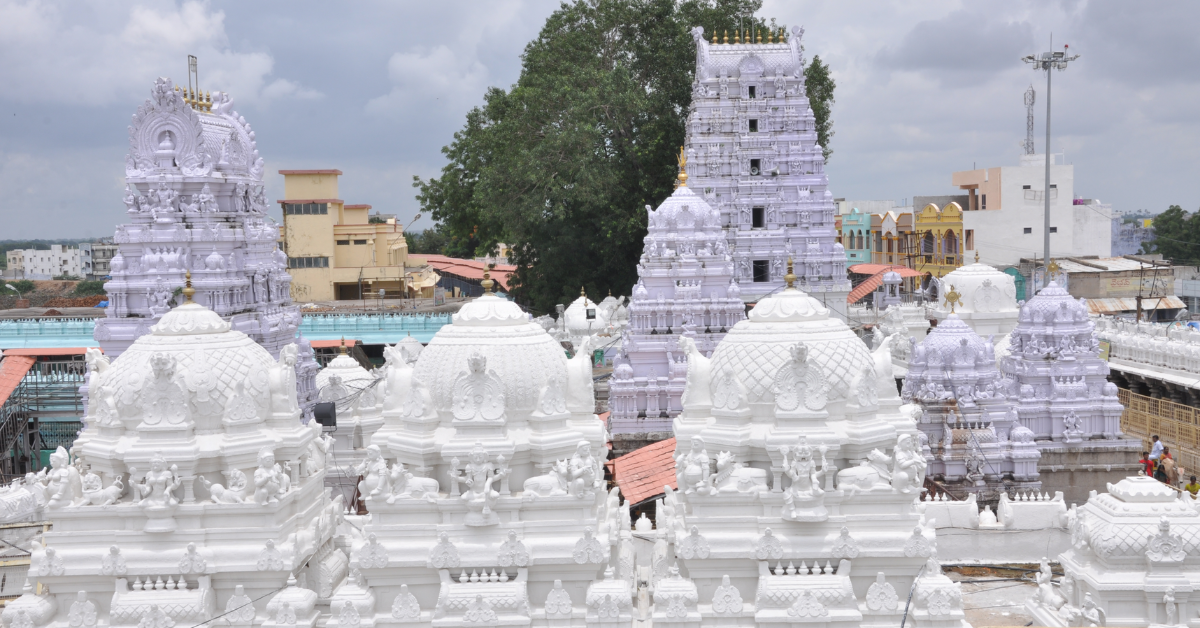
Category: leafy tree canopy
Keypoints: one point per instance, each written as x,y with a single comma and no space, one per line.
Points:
561,165
23,286
1176,236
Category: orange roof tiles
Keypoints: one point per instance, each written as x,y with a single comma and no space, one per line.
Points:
872,282
12,371
47,351
644,472
326,344
468,268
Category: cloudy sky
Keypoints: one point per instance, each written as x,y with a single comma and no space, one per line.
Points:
377,88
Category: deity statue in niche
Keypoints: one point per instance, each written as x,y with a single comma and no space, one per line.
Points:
156,494
693,468
270,480
479,476
804,499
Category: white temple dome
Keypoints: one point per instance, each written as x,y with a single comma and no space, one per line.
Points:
982,289
1055,301
520,351
684,209
951,335
352,373
192,346
757,348
578,325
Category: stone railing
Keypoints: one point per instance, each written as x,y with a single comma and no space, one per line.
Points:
1175,424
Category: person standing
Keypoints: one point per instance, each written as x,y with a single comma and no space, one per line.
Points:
1168,466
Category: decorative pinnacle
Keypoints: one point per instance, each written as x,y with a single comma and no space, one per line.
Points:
714,36
342,350
976,256
1053,268
188,291
953,298
487,282
790,277
682,159
726,37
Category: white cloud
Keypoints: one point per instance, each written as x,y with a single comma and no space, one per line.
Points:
109,52
436,78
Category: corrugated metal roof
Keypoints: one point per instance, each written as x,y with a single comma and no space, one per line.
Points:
1111,264
1117,305
644,472
12,371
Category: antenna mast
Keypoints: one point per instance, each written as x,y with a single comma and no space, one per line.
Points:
1030,96
193,76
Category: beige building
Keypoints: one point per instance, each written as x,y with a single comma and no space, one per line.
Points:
334,250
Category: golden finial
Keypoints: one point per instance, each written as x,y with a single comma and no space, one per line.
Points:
342,349
188,291
953,298
207,100
487,282
976,256
582,293
758,38
790,277
682,168
1053,268
770,36
714,36
737,36
726,36
782,35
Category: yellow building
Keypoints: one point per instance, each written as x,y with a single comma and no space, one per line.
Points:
335,252
939,239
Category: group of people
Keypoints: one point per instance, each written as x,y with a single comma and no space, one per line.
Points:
1160,465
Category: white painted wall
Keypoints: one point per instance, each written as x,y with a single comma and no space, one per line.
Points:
49,264
999,234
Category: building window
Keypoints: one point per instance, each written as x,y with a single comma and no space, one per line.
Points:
343,242
983,201
762,270
758,216
360,241
1053,229
753,91
753,126
970,239
1028,229
308,262
755,166
298,209
1026,187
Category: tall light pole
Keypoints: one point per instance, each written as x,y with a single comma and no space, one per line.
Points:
1048,61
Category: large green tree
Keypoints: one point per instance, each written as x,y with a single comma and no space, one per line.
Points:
1176,236
819,86
561,165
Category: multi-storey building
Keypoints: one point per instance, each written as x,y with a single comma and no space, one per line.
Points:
856,236
753,154
335,251
893,239
939,234
58,261
1005,212
96,258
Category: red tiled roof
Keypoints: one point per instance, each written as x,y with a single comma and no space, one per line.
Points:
48,351
468,268
327,344
644,472
12,371
871,269
872,282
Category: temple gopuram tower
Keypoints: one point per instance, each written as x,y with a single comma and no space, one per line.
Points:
195,200
753,155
